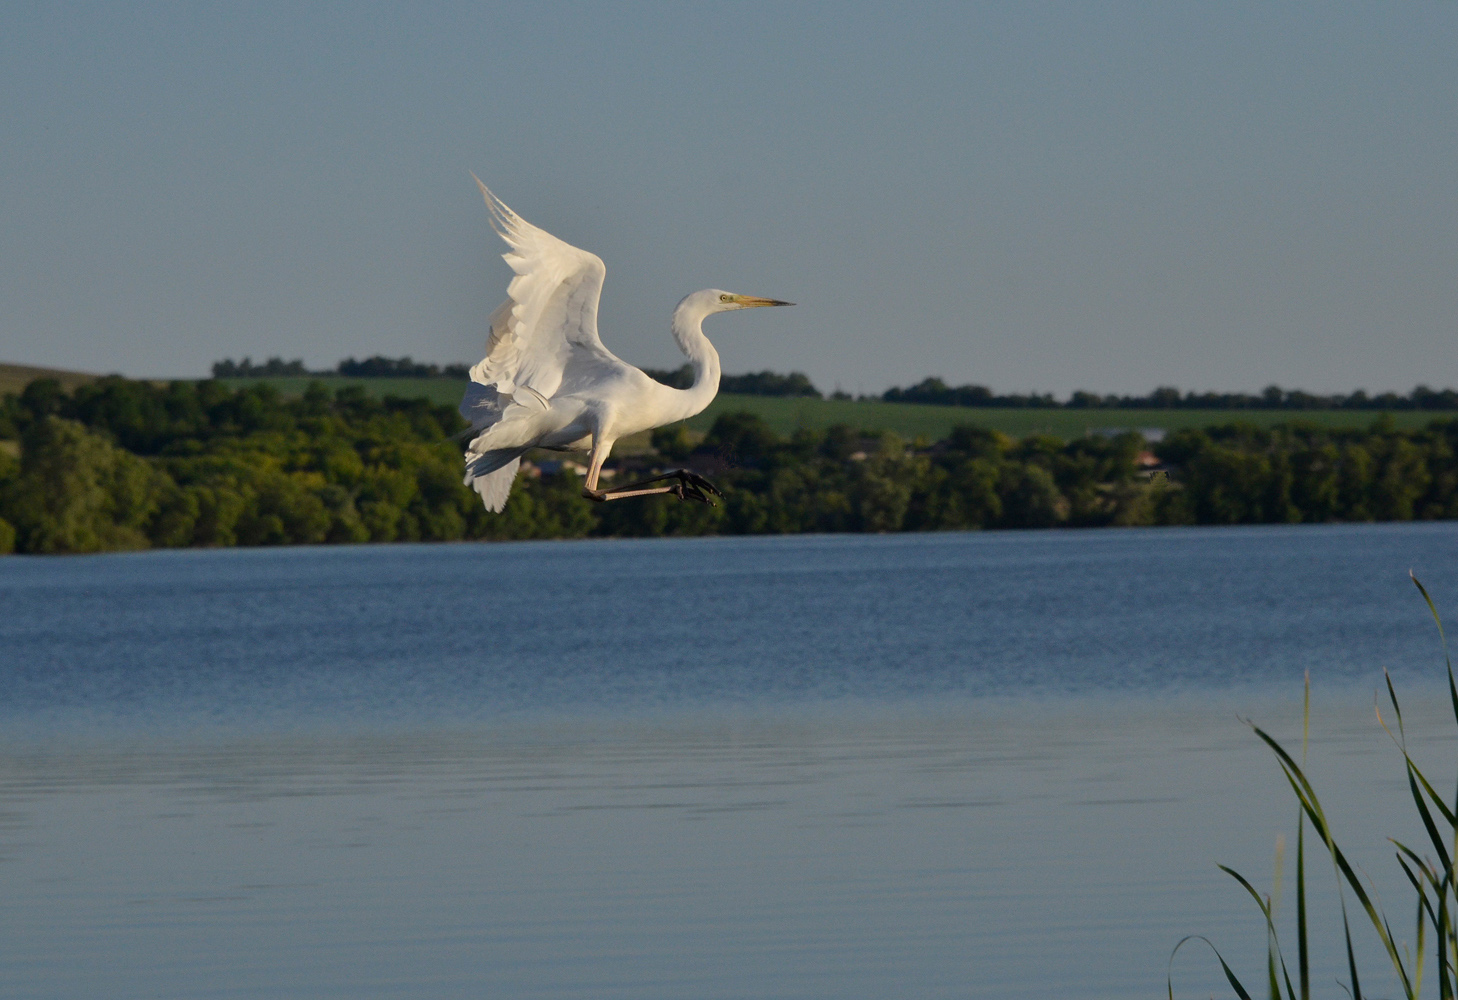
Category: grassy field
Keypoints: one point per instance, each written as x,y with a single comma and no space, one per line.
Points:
910,420
933,422
785,414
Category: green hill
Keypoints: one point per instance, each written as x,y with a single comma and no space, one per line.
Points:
14,378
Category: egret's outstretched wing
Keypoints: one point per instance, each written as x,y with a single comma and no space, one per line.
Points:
550,317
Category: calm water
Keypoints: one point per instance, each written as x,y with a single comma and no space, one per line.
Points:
905,766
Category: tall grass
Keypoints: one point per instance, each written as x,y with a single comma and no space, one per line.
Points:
1432,876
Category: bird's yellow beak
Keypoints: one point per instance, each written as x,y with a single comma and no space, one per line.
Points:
752,302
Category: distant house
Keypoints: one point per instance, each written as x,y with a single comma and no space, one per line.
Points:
1148,464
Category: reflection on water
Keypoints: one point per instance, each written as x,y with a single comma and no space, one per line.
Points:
1016,850
321,774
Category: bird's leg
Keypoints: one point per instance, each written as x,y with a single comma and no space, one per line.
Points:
598,455
690,486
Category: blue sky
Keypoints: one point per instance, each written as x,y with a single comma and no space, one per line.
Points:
1050,197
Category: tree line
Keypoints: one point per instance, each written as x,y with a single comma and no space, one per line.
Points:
930,391
765,383
934,391
377,366
118,464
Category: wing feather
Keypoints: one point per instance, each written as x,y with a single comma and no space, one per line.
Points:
542,333
551,312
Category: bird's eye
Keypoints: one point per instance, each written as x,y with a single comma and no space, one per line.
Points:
723,298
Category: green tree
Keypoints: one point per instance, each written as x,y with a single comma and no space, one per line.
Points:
76,492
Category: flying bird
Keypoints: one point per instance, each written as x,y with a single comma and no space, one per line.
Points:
547,381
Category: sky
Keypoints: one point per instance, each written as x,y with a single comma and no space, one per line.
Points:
1033,197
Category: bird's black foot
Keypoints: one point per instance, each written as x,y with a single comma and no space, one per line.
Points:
692,486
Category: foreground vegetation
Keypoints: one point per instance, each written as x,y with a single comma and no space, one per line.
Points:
117,464
1433,877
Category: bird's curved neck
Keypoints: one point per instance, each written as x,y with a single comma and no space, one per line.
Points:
688,330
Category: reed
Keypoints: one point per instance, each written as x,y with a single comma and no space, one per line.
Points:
1432,878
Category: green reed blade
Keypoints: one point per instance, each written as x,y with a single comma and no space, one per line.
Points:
1393,937
1379,923
1396,708
1276,955
1449,816
1452,692
1313,811
1418,886
1351,955
1265,911
1417,983
1234,982
1431,606
1230,976
1423,875
1445,936
1303,956
1413,775
1306,794
1273,951
1273,942
1424,905
1285,974
1305,716
1426,871
1408,962
1433,610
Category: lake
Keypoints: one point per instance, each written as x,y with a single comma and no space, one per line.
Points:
963,764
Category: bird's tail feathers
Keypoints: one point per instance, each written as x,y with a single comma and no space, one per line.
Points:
491,474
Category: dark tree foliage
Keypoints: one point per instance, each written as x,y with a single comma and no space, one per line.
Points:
764,383
678,378
372,367
228,368
119,464
842,480
770,384
936,392
381,367
122,464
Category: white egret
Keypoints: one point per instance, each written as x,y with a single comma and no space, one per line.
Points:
547,381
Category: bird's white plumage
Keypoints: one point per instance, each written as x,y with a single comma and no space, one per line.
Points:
495,487
551,311
547,381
